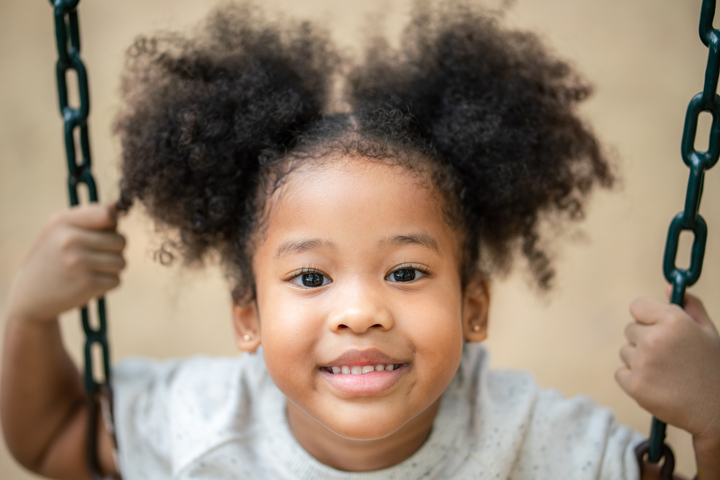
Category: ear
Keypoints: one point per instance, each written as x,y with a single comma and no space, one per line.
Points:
476,303
246,323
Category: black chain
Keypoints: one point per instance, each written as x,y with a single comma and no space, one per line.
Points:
67,35
689,219
68,43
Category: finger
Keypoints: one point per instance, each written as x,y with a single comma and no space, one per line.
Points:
104,263
104,282
93,217
100,241
627,355
623,377
633,332
112,209
648,311
695,308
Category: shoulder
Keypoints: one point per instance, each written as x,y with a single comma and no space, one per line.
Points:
580,435
509,393
168,412
138,369
201,376
497,390
525,431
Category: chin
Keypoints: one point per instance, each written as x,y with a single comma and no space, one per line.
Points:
365,430
355,425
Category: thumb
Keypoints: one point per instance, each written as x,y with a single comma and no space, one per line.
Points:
94,216
112,208
695,308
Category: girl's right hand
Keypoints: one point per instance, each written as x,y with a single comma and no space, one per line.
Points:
77,257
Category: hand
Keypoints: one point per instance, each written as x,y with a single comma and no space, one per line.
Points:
77,257
672,365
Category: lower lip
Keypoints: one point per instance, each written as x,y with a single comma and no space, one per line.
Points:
370,383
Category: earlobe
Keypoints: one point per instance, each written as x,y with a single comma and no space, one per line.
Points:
476,304
246,324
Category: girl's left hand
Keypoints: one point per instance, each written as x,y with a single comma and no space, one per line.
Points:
672,365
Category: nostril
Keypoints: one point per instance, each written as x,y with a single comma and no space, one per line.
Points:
377,325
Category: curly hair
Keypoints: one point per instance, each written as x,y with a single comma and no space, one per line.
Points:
214,121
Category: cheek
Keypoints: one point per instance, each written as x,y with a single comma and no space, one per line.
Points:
434,326
289,330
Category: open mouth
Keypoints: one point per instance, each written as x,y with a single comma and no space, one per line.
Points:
361,370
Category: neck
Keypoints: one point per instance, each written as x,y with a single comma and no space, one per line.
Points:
353,455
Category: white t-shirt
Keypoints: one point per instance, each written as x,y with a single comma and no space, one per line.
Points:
224,418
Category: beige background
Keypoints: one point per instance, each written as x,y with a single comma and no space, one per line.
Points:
644,57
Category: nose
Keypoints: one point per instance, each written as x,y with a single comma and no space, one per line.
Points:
359,308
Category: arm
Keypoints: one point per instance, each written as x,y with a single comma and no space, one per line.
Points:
42,400
672,369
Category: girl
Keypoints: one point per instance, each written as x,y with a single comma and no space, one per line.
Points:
358,235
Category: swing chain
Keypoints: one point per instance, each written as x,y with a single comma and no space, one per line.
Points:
68,43
67,35
689,219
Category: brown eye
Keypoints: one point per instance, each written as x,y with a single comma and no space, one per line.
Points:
404,275
311,280
407,273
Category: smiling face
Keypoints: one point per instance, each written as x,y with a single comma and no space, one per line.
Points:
361,308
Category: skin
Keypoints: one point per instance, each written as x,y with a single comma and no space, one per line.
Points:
344,222
681,389
77,257
371,221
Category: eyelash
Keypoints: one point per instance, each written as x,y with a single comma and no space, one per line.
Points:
424,270
298,274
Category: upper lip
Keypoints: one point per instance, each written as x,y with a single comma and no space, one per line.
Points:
371,356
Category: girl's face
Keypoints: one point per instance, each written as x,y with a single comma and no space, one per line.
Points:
360,309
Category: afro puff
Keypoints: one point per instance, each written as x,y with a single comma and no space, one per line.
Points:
211,117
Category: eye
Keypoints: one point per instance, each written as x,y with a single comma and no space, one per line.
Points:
310,279
406,274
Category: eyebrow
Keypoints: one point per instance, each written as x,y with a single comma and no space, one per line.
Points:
422,239
290,247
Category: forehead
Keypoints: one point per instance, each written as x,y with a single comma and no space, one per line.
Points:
353,200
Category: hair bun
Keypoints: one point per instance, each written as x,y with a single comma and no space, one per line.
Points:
501,110
203,112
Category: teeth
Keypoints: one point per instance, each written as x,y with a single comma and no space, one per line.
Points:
357,370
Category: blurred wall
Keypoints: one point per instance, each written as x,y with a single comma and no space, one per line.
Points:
644,58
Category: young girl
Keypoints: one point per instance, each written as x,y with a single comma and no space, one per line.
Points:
358,235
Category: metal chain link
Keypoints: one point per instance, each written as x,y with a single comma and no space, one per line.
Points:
67,35
689,219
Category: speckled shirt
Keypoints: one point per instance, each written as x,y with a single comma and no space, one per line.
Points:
224,418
